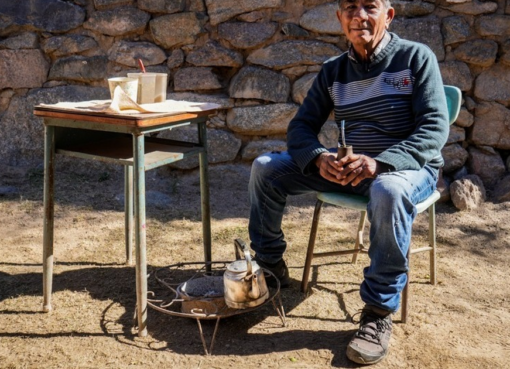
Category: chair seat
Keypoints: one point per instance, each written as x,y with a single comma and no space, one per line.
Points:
359,202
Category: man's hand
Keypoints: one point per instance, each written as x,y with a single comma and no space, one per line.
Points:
351,169
328,166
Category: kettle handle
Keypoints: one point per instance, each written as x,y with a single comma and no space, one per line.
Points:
240,245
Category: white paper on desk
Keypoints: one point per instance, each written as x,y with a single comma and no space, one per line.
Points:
123,104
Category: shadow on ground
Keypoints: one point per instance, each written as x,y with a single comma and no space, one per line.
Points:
257,332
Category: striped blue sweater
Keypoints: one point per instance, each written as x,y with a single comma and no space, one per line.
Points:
394,108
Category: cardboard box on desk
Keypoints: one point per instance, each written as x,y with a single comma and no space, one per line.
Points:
151,87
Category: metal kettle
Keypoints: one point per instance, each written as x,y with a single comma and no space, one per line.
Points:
244,281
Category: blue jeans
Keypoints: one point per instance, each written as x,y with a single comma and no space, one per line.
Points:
391,212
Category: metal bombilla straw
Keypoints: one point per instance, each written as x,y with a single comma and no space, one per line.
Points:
342,127
343,149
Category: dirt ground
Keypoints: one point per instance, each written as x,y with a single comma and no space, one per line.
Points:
462,322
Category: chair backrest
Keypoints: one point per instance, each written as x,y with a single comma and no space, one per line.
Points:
453,99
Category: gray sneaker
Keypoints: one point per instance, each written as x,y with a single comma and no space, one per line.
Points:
279,269
370,343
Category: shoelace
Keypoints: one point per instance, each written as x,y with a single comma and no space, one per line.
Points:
367,332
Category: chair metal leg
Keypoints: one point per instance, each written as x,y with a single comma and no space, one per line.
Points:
405,302
405,292
432,243
311,245
359,236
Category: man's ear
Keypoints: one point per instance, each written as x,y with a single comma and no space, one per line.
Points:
390,14
339,17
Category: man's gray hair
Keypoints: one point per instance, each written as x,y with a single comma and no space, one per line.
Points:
386,3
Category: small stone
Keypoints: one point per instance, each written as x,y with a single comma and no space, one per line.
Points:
59,46
243,35
487,164
54,16
184,30
322,19
162,6
474,7
491,126
214,55
477,52
196,78
109,4
405,8
460,173
470,103
27,40
221,11
502,190
465,118
426,30
505,58
24,68
222,146
117,22
455,29
293,30
259,83
252,17
128,53
175,59
493,84
295,72
457,134
455,157
256,148
443,187
456,73
287,54
301,87
79,68
328,136
467,193
261,120
493,25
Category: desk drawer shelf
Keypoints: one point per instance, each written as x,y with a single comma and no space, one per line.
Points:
119,150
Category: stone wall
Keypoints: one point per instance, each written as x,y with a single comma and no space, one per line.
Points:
255,58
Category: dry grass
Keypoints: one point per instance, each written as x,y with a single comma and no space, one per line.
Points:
460,323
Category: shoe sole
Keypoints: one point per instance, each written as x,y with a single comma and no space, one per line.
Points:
356,357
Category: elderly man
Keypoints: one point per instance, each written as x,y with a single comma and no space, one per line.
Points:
389,92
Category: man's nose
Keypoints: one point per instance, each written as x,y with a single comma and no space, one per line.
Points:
361,13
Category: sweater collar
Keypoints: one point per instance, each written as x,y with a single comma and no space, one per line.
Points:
382,44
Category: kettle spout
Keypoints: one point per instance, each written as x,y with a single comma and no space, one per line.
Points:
255,290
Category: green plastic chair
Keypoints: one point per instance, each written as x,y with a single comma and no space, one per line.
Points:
357,202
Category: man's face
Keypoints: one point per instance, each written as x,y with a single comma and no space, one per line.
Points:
364,22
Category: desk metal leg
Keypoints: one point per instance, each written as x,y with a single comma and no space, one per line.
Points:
49,171
204,192
128,212
140,233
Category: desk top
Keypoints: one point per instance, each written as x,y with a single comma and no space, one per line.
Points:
80,111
